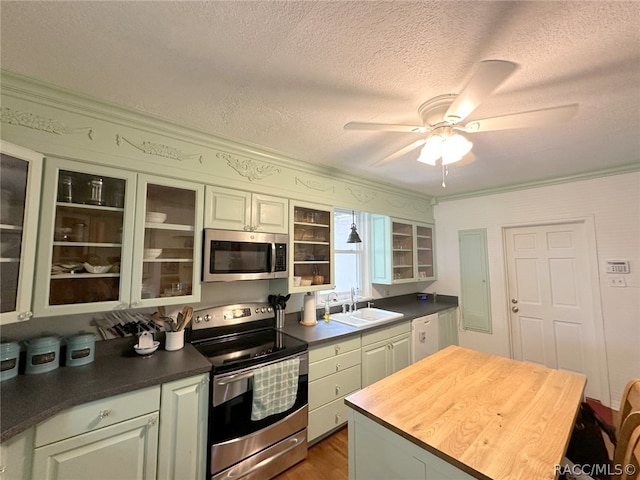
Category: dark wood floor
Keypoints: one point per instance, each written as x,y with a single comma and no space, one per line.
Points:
326,459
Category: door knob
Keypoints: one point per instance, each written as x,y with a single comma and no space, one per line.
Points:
514,300
515,309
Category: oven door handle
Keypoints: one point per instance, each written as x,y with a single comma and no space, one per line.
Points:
234,378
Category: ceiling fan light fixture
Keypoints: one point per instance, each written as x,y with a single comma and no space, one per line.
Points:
450,148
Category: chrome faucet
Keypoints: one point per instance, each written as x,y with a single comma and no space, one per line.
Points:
354,305
327,308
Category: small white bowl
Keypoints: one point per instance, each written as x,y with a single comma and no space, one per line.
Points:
147,350
150,253
155,217
96,268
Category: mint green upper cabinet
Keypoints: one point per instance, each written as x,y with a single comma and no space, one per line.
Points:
19,207
80,224
229,209
401,251
168,242
311,248
102,246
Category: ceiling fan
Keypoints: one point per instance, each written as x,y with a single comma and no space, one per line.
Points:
442,116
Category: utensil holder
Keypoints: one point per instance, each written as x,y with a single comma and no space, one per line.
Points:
279,319
174,340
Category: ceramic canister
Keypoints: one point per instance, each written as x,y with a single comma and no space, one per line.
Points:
10,360
80,349
43,354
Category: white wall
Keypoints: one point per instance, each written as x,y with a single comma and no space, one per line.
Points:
612,202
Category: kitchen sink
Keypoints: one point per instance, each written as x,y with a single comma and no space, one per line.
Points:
366,316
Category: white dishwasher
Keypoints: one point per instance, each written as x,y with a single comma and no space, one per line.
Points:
424,337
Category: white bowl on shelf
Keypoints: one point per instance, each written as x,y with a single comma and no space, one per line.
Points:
151,253
96,268
146,350
155,217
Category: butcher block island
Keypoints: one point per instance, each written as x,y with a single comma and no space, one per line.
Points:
461,414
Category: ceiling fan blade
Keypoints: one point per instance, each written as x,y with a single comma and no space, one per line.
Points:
389,127
401,152
488,76
534,118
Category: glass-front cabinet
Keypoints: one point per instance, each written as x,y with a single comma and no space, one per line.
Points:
402,251
168,241
102,233
20,176
311,250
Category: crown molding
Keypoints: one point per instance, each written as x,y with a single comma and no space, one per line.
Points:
44,93
619,170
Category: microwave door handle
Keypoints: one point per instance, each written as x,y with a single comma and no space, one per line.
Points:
273,257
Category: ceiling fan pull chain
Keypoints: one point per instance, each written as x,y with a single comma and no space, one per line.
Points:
445,172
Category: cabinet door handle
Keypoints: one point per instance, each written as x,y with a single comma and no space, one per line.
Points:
337,367
337,418
104,413
337,389
24,316
153,420
337,348
247,228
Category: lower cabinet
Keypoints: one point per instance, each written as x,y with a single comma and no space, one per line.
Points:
334,372
447,328
113,438
16,455
158,432
385,351
182,451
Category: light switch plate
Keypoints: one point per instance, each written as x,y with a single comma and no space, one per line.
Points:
617,282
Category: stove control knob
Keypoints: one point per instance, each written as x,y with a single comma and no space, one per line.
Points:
262,310
198,319
257,309
269,309
207,318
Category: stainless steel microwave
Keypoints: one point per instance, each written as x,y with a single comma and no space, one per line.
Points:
233,255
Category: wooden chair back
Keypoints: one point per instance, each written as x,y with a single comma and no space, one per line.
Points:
630,402
628,448
631,461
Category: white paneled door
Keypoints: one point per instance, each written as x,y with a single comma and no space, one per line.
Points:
550,301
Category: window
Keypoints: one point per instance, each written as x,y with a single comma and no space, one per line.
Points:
351,260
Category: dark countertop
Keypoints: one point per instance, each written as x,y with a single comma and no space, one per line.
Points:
409,305
26,400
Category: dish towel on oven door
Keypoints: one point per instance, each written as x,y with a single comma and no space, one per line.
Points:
275,388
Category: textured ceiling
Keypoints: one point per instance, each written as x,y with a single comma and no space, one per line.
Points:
287,75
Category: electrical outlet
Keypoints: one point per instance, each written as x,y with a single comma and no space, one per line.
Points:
617,282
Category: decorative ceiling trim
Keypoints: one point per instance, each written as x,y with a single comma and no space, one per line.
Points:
250,169
361,195
157,149
315,185
400,204
36,122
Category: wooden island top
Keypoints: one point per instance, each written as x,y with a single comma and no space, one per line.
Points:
487,415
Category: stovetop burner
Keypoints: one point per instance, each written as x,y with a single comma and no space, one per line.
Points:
241,336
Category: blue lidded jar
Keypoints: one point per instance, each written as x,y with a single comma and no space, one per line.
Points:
43,354
9,360
80,349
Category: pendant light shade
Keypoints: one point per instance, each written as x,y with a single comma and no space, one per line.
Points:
353,236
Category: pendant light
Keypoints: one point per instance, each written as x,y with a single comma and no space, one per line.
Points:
353,236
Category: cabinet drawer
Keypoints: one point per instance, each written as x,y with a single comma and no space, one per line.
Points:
326,418
386,333
334,386
333,349
332,365
98,414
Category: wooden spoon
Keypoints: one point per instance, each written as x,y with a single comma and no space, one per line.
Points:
187,313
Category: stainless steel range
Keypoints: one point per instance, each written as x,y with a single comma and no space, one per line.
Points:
259,390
